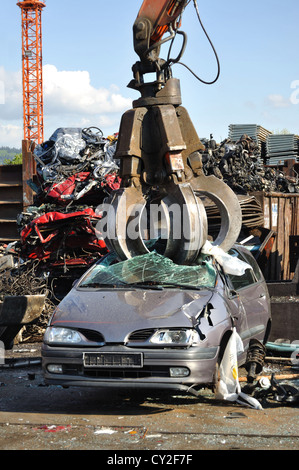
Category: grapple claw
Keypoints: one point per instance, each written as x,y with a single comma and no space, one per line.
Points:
159,151
228,205
126,206
179,221
188,224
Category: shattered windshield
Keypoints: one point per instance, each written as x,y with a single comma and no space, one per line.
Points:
152,270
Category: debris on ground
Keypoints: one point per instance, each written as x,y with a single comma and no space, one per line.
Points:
271,379
281,390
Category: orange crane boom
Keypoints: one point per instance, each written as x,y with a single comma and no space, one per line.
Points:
32,70
161,13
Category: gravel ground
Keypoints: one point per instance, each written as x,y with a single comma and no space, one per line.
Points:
34,416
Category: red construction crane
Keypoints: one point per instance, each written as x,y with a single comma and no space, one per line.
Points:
32,69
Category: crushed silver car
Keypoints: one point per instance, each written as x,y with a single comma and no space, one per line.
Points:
147,322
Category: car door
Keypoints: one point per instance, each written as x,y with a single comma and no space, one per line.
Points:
253,301
260,296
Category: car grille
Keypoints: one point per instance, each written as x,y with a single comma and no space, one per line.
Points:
141,335
145,372
92,335
107,373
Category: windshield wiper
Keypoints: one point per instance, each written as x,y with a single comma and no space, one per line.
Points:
98,285
145,285
185,286
123,285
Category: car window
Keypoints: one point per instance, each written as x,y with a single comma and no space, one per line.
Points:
247,279
150,268
250,260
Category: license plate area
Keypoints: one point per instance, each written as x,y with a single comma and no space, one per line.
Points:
108,360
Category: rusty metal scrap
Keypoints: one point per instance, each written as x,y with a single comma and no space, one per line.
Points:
252,214
25,279
61,236
241,166
256,132
21,281
75,172
76,164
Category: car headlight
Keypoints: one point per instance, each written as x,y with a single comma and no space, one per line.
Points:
60,335
174,337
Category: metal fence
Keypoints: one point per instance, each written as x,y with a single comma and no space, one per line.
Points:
281,214
11,201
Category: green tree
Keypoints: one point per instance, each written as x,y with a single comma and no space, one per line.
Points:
282,131
17,160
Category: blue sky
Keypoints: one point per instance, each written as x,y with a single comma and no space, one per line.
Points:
88,54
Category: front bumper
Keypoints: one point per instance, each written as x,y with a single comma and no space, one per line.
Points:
154,372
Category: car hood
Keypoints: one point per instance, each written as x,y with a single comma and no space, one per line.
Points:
117,313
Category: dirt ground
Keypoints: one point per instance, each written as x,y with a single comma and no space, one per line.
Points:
34,416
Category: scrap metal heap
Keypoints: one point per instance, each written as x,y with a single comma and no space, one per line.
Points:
241,165
58,236
75,172
16,283
72,156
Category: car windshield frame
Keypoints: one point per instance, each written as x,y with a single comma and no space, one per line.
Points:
152,271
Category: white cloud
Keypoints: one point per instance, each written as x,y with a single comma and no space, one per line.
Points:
70,100
11,107
278,101
72,92
11,135
2,92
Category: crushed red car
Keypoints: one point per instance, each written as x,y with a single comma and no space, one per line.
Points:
75,171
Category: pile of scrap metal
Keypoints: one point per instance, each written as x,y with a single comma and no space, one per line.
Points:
76,165
25,306
241,166
75,172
